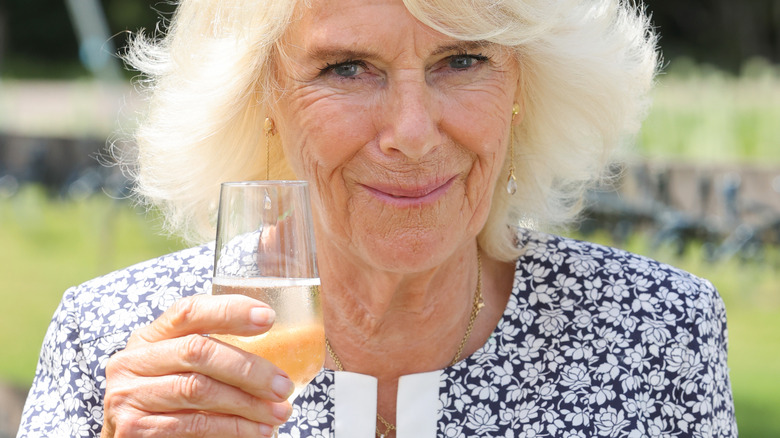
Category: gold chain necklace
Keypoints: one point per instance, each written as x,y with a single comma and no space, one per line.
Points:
475,308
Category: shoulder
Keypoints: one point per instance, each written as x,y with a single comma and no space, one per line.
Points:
586,262
126,299
613,292
619,334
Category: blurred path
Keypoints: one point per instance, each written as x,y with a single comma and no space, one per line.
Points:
66,108
11,403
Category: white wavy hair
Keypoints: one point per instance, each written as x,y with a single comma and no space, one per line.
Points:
587,67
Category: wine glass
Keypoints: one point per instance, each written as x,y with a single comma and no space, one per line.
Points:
265,249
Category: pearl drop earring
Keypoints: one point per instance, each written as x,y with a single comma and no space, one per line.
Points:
511,182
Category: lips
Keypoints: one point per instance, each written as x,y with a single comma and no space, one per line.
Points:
411,195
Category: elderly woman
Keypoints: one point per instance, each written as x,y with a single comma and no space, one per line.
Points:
435,136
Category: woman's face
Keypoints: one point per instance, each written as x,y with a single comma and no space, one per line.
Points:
400,130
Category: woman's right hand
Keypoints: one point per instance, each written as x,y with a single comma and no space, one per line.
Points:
172,381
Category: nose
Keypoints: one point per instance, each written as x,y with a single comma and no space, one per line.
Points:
411,119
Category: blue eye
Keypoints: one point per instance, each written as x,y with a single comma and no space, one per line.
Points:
347,69
462,62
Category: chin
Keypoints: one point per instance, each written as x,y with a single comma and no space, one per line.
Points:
407,252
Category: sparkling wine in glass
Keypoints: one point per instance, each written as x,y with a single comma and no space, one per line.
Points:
265,250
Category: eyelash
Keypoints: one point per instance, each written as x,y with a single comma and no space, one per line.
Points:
480,58
477,57
330,67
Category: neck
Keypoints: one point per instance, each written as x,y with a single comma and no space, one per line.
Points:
388,324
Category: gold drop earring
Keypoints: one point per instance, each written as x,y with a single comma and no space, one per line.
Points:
270,129
511,181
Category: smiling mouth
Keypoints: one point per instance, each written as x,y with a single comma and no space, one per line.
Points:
407,197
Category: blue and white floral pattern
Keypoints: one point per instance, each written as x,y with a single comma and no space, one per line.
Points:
594,342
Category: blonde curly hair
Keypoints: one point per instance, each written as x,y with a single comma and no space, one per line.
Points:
587,67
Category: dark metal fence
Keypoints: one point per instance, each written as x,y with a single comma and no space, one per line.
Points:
734,211
66,167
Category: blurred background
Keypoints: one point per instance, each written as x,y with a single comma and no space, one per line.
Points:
700,189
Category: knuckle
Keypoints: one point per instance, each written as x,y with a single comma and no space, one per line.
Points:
198,425
112,401
114,366
138,336
182,310
134,338
120,363
249,368
124,424
193,387
124,428
234,425
180,313
224,306
196,349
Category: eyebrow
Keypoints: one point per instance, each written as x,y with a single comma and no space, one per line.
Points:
326,53
460,46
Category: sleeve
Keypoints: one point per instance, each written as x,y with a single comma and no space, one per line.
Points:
713,330
704,402
65,399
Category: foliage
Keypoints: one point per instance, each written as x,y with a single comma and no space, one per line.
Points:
704,114
50,245
721,32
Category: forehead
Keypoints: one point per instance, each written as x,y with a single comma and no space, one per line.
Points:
355,11
351,23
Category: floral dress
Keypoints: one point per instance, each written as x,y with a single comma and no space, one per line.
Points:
594,342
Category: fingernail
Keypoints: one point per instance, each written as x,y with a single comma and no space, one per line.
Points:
266,430
282,411
282,386
262,316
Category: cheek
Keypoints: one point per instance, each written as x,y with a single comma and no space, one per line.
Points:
322,135
320,140
480,124
479,119
482,129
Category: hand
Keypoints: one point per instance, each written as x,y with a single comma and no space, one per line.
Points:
172,381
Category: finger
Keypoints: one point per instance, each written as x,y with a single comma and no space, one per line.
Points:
196,392
193,424
233,314
209,357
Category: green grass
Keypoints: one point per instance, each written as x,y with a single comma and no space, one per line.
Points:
754,358
707,115
48,246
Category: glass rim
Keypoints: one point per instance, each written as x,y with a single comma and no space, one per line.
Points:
265,183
